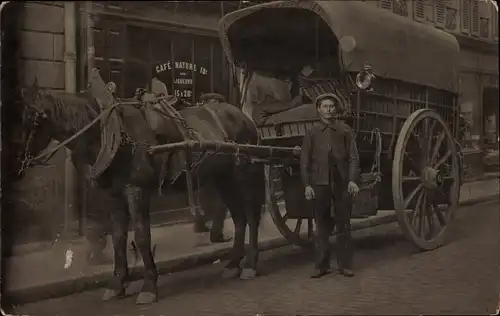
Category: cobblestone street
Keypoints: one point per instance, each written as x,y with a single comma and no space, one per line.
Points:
392,278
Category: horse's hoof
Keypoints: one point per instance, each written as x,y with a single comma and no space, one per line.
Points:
230,273
248,274
113,294
146,298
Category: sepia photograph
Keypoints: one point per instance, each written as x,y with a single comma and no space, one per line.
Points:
298,157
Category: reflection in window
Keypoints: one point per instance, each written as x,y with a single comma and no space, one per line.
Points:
137,76
162,59
202,60
138,43
161,45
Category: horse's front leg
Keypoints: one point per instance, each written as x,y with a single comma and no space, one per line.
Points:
118,282
138,202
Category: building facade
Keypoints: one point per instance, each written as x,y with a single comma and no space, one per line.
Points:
130,43
475,25
177,42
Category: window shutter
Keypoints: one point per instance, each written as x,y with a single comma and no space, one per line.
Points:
494,21
474,27
484,28
465,16
418,10
401,7
484,20
451,16
430,11
440,12
385,4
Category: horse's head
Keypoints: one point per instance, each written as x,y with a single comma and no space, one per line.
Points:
35,125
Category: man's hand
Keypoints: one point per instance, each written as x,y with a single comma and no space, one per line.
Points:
309,193
352,188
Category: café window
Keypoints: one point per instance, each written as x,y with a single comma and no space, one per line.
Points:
189,65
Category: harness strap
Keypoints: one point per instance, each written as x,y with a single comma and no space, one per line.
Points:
218,122
51,153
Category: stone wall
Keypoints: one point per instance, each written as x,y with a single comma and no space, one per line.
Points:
42,41
38,209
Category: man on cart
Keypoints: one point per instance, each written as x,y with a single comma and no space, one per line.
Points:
329,165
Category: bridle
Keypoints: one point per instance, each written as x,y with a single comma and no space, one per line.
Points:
27,160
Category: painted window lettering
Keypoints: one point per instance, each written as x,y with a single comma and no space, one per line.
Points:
185,93
163,67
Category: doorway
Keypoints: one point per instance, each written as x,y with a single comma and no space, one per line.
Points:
491,118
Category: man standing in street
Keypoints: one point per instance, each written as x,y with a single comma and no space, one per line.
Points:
329,166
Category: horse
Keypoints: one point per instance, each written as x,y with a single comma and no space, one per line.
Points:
132,175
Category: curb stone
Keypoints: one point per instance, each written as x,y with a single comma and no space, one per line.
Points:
181,263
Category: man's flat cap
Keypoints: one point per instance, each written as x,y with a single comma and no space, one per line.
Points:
328,96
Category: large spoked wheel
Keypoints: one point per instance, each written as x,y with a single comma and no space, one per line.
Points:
299,231
425,179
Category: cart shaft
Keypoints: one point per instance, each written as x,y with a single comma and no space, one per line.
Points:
226,147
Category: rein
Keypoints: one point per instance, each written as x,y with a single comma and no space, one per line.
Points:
49,154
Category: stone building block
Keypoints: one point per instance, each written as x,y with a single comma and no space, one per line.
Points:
488,63
58,47
36,45
44,17
49,74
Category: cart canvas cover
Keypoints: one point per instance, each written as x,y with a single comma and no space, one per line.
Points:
396,47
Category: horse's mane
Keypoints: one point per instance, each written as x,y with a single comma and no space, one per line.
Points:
71,111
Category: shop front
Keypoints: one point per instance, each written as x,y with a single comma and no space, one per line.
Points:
479,105
131,47
176,44
188,64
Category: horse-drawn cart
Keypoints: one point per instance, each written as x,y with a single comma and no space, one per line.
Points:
405,120
412,164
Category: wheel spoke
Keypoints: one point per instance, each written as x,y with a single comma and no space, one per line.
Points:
439,215
412,195
421,219
298,226
438,211
443,159
285,217
437,146
417,207
414,166
430,216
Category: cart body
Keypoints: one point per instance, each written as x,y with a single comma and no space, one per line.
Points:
415,83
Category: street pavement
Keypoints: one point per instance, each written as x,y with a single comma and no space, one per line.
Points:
462,277
40,275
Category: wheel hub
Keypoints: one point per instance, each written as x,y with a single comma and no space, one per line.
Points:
432,178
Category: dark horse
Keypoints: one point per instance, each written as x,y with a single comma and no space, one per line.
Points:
132,175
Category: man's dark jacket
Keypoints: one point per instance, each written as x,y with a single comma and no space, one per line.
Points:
334,140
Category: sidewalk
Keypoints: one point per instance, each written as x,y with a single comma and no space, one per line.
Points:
41,275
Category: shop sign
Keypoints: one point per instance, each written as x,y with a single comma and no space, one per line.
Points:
182,76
